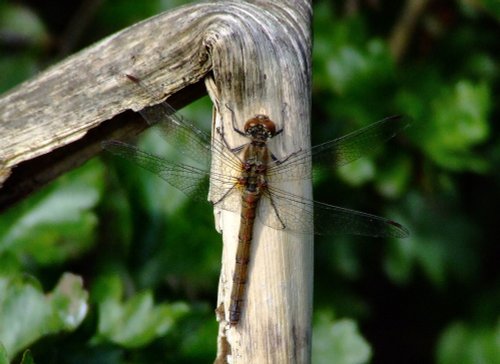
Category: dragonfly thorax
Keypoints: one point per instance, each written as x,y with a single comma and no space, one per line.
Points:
260,127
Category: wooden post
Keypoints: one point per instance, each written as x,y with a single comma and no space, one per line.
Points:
261,65
254,57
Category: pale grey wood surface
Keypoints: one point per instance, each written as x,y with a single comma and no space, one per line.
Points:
254,57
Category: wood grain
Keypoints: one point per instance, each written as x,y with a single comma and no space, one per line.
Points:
63,104
261,65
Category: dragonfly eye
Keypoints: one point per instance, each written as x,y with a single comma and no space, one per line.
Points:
260,125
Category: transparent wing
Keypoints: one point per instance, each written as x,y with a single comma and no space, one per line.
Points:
338,152
280,210
191,180
179,132
183,134
283,210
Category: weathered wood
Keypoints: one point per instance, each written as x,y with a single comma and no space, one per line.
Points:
261,65
255,58
64,103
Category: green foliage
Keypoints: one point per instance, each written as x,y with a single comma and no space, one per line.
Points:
25,25
137,321
455,121
338,341
350,66
4,359
461,343
57,223
23,22
150,258
431,252
27,314
27,358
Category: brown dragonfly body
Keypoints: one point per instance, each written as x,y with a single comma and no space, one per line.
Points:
250,177
256,157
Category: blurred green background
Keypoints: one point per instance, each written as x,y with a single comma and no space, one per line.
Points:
104,266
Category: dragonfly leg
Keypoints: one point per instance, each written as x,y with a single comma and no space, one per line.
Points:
233,122
280,161
226,144
276,212
227,193
283,118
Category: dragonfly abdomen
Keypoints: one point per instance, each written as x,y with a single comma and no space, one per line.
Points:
248,212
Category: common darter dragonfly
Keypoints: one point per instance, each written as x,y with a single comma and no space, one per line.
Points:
248,182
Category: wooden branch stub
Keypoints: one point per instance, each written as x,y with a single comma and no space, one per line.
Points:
63,104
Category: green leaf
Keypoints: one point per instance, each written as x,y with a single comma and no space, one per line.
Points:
441,244
393,180
493,6
338,341
27,314
58,222
198,341
358,172
135,322
346,60
27,358
4,359
400,261
69,302
19,24
23,22
459,122
462,344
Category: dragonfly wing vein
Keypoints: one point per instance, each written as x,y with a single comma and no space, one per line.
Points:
329,219
190,180
340,151
188,139
178,132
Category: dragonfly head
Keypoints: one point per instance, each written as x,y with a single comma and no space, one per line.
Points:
260,127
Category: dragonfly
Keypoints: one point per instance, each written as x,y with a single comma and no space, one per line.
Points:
251,175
